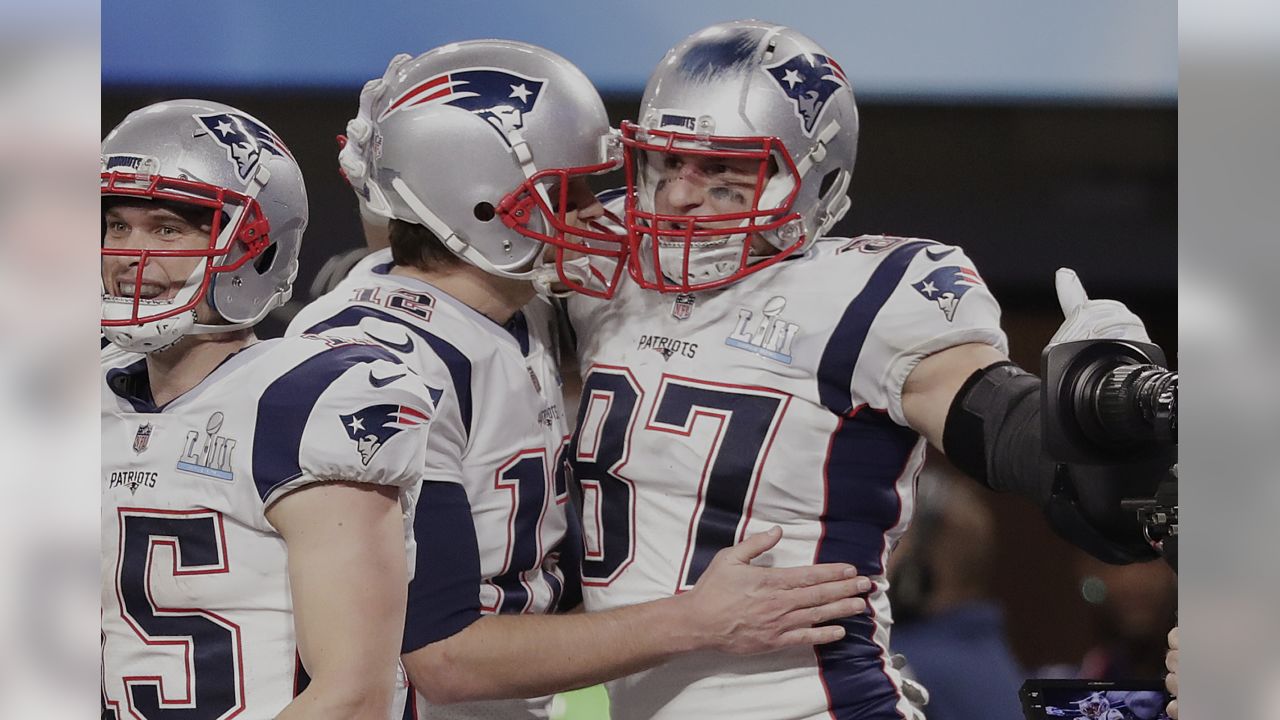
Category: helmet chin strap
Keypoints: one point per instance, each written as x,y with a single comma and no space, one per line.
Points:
157,335
153,336
706,263
451,239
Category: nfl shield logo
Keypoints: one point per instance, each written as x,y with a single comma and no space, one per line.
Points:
683,306
143,437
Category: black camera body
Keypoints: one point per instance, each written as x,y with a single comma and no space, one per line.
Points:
1111,402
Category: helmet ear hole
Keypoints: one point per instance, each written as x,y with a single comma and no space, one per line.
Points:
263,262
827,181
484,211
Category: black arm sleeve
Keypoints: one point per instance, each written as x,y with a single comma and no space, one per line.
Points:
993,434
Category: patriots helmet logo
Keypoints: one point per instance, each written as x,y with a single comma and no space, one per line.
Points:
374,425
501,97
809,80
244,139
946,286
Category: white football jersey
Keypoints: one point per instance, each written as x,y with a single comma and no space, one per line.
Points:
499,433
774,400
196,609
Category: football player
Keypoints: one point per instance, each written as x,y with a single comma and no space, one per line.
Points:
257,497
478,152
750,372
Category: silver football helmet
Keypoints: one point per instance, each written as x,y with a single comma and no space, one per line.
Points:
766,99
207,155
478,141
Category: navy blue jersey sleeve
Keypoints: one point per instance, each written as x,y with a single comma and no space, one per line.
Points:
351,412
444,595
922,298
350,320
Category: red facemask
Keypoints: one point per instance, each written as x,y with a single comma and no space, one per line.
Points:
604,246
247,239
669,252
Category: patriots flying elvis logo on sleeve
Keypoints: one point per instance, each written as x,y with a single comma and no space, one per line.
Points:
501,97
374,425
809,80
244,140
946,286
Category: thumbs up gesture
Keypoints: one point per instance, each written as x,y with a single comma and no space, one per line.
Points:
1087,319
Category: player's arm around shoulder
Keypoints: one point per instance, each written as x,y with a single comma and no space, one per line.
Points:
736,607
342,509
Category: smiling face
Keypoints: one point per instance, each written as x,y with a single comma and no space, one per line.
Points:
137,225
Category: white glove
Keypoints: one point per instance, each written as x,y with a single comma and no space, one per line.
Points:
354,156
915,693
1093,319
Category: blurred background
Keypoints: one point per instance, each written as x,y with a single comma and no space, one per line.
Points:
1035,135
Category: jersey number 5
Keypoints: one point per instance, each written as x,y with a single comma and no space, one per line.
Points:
207,681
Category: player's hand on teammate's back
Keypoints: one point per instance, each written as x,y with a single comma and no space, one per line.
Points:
746,609
1087,319
1171,680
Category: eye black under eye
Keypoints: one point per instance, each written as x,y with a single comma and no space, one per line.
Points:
726,193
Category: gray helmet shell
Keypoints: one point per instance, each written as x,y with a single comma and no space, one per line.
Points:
751,79
207,147
462,126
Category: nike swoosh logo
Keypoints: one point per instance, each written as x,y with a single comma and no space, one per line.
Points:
383,382
936,255
405,347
